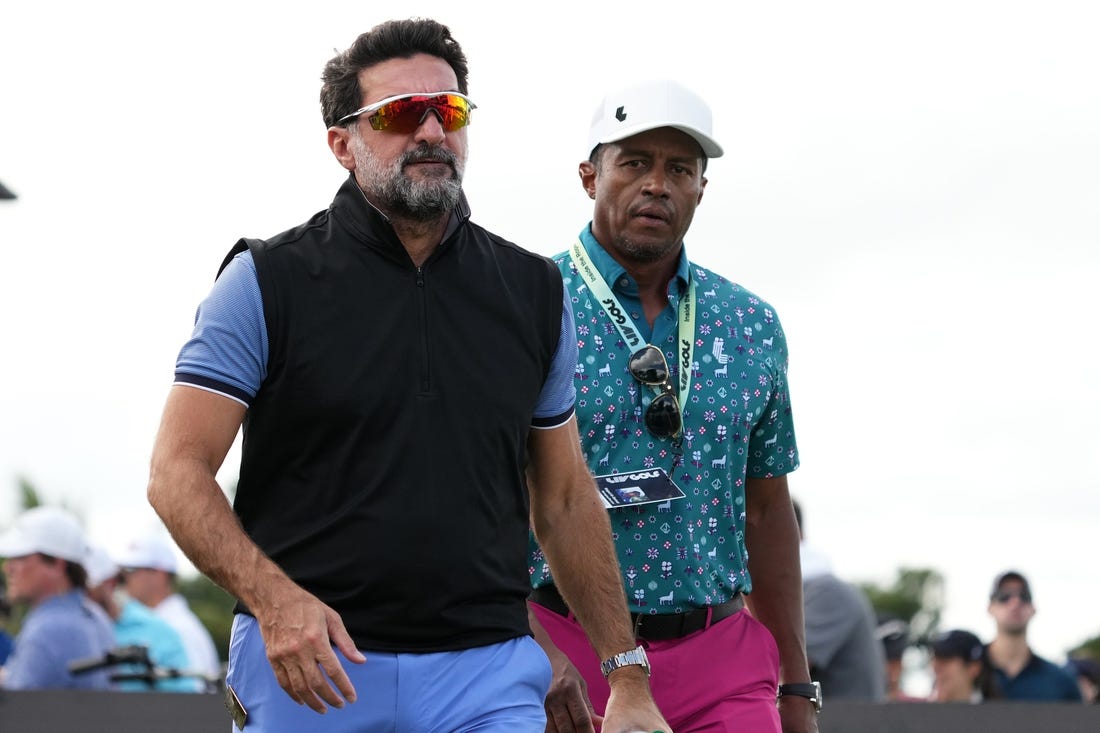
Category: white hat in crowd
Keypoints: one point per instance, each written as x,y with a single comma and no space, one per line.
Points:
47,530
100,566
151,551
649,105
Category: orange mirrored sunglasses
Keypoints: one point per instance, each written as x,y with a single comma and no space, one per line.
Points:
406,112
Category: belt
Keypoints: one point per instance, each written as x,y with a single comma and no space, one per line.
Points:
652,626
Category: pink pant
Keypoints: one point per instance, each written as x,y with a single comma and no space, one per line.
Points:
720,679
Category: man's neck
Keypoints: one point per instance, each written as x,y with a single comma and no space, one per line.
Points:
54,591
112,607
420,238
1010,653
652,278
152,600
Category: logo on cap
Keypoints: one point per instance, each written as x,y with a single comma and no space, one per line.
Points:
620,115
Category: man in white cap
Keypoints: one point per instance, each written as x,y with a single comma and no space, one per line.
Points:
149,568
137,625
44,553
682,395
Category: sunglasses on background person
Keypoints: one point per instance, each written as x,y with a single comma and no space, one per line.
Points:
1005,596
406,112
662,418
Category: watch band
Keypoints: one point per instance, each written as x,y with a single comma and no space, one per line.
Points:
625,659
809,690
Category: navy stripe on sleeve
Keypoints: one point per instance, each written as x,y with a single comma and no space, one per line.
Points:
553,421
213,385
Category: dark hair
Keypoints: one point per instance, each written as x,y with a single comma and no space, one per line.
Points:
74,571
340,92
76,574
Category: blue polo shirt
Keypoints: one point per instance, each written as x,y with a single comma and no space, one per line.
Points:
6,645
228,349
1039,680
58,631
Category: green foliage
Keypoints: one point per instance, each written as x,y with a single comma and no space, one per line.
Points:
30,498
1088,648
28,494
916,597
213,606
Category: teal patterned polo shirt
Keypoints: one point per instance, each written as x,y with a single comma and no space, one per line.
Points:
687,552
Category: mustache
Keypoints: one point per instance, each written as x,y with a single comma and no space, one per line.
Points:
652,208
427,151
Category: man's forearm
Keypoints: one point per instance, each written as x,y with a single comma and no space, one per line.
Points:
776,603
197,514
578,547
572,526
771,536
196,431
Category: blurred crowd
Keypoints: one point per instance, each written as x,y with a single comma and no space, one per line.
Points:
857,654
93,620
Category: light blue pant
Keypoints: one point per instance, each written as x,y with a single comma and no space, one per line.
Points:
500,687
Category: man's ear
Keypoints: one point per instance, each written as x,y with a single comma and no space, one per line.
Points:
587,172
339,142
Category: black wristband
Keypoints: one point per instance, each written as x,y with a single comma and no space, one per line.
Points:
809,690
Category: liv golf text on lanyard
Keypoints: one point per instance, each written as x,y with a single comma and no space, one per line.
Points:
685,332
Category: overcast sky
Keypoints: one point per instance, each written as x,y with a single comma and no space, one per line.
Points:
914,186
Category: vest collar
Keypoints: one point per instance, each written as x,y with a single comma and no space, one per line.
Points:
373,228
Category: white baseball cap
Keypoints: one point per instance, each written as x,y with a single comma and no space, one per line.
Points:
100,566
151,551
651,104
47,530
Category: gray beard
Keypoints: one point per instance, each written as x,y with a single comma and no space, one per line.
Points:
398,195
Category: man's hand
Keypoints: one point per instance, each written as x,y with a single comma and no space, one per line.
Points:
299,634
568,709
631,707
797,714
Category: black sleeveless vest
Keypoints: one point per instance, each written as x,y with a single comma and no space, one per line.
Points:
383,456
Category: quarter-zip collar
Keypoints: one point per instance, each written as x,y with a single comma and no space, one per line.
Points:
368,225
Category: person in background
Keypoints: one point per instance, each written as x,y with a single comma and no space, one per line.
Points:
137,625
45,552
1021,673
404,378
6,641
845,654
1086,671
148,569
682,378
959,669
894,634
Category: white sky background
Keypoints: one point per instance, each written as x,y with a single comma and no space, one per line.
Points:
914,186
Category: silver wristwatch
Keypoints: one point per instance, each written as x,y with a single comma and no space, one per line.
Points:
634,656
